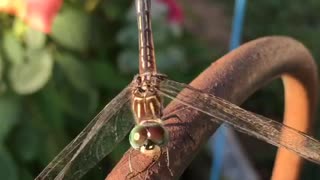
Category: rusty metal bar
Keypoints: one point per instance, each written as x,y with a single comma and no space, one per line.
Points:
235,77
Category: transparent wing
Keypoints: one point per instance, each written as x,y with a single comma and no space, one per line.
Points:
97,140
221,111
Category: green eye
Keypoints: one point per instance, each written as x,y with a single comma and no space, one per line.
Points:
138,136
148,136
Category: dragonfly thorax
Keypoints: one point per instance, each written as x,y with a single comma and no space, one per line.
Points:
146,102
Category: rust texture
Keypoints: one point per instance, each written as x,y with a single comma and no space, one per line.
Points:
235,77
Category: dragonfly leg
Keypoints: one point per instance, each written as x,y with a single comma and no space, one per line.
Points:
154,161
130,165
130,175
133,174
168,161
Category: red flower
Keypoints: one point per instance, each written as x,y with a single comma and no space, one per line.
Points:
175,11
39,14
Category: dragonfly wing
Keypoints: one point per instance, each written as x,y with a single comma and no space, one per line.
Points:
220,110
97,140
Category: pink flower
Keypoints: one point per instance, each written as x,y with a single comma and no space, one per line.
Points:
39,14
175,11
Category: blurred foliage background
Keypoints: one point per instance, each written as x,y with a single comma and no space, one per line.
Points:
52,85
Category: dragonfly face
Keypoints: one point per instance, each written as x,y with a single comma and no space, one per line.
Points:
149,134
149,137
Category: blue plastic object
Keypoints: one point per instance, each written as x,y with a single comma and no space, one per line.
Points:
218,142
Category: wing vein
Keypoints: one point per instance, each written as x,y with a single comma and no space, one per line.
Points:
220,110
85,141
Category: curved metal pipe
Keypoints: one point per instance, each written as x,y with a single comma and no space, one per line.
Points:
235,77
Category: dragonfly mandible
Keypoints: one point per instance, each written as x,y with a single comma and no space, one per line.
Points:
141,101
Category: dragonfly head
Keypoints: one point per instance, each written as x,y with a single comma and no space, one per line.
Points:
148,137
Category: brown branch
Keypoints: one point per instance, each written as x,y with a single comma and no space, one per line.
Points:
235,77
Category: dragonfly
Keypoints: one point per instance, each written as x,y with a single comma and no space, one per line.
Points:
140,104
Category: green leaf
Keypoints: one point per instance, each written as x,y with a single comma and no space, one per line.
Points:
35,39
161,34
159,10
171,58
105,75
128,37
1,68
90,5
9,111
71,29
113,10
128,61
3,86
8,169
25,136
79,105
25,175
32,75
50,108
13,48
75,71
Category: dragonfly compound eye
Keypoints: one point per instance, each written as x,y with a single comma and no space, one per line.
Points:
138,136
158,135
